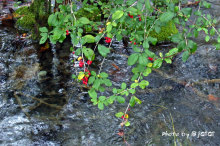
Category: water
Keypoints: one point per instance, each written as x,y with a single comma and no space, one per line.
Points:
175,93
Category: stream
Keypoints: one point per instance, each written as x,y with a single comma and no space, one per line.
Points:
40,103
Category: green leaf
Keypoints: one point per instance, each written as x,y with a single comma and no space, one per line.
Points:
134,85
132,59
91,79
109,28
96,84
103,50
94,100
143,84
118,14
207,38
89,38
93,73
107,82
120,99
143,60
89,53
168,60
185,56
123,86
100,105
152,40
114,90
43,29
59,1
147,72
84,20
44,38
212,32
92,93
137,100
132,101
102,98
157,63
146,44
167,16
127,123
132,91
103,75
52,20
119,114
148,5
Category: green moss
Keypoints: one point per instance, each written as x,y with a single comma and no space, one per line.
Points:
26,19
165,33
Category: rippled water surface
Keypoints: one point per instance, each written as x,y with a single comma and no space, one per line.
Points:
31,77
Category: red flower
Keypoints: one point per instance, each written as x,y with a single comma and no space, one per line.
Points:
67,32
151,59
89,62
81,63
108,40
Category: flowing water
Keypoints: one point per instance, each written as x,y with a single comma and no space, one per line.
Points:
40,104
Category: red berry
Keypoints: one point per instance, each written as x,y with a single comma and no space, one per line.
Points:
67,32
89,62
108,40
73,52
128,109
81,63
135,43
139,19
123,117
151,59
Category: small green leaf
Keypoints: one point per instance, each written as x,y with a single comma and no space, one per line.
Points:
84,20
120,99
114,90
168,60
132,101
167,16
185,56
147,71
207,38
100,105
102,98
92,93
127,123
89,53
118,14
119,114
132,59
103,75
43,29
89,38
137,100
134,85
96,84
44,38
132,91
91,79
157,63
143,84
103,50
123,85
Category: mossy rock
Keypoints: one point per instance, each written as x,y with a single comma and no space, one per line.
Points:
26,19
166,31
